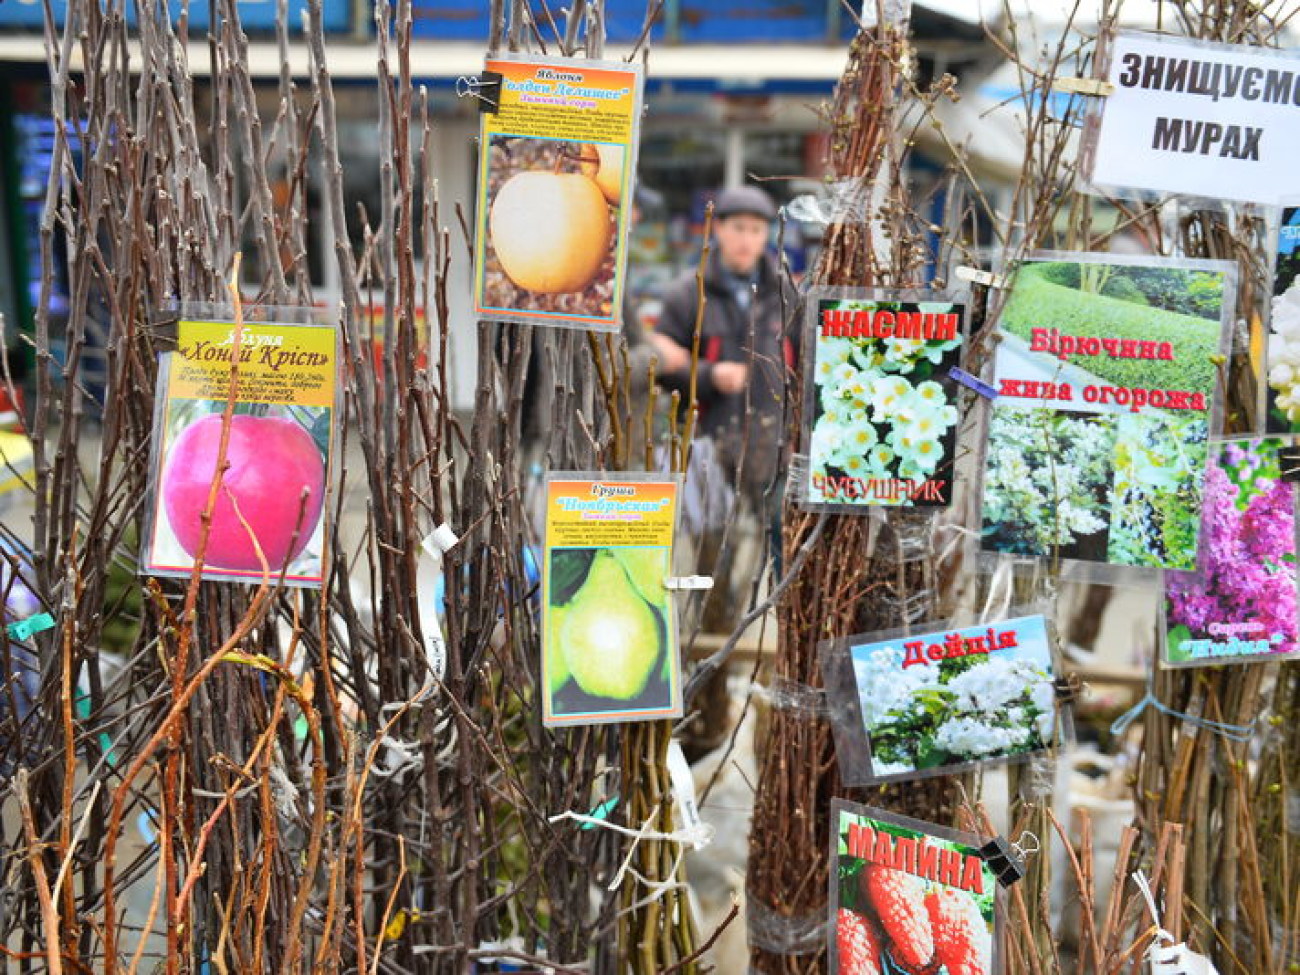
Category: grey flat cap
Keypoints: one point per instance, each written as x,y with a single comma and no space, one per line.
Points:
744,199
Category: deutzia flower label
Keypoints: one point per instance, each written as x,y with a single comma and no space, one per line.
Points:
907,896
932,701
1243,604
1106,378
882,422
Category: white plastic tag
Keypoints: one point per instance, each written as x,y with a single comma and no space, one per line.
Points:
1179,960
427,575
679,771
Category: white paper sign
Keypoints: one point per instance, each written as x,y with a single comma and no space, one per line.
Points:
1209,120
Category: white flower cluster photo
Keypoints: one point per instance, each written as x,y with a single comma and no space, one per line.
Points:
1284,353
937,714
883,412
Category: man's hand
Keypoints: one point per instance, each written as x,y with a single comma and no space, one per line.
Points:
730,377
672,357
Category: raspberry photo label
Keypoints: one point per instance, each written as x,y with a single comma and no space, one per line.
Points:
557,161
609,635
938,700
1107,378
881,403
908,898
268,512
1242,605
1198,119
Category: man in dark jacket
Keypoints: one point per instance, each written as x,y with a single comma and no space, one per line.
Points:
745,350
744,294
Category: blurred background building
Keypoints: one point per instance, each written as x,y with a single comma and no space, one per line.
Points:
734,93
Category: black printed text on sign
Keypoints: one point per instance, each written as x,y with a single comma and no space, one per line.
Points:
1210,120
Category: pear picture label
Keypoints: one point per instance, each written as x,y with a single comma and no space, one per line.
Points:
609,649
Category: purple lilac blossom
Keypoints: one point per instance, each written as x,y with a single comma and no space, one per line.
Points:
1248,578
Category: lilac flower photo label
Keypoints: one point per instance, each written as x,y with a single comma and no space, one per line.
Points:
1243,604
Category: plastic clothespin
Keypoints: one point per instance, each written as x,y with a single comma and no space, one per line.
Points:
1095,87
1068,687
486,87
1289,461
973,382
974,275
22,629
688,583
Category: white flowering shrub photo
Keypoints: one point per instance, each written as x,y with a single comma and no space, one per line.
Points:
883,423
1284,360
1037,506
1106,487
934,714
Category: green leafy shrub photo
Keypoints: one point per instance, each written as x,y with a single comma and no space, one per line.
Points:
1115,301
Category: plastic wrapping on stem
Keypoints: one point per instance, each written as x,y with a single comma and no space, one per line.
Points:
914,540
845,201
801,700
1038,780
1001,592
896,12
779,934
796,483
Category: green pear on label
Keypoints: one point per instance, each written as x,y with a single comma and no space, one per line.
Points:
610,636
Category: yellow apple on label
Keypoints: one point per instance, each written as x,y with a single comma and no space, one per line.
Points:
604,164
551,231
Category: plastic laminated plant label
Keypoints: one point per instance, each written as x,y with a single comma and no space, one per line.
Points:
1243,605
908,897
1281,392
268,510
881,406
1107,374
936,700
1216,121
609,635
557,161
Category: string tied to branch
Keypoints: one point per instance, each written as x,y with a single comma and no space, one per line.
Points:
1233,732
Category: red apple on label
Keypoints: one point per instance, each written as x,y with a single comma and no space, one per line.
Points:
273,461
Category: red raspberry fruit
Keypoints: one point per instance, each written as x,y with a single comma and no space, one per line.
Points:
857,944
898,901
962,942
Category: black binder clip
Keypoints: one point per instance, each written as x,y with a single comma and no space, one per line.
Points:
486,87
1288,459
1068,687
163,328
1004,860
